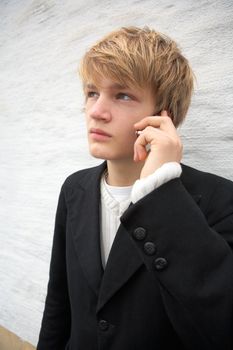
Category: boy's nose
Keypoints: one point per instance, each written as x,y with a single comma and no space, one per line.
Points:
100,110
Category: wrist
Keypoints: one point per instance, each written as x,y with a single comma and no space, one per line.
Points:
163,174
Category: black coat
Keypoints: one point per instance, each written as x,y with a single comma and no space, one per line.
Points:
168,282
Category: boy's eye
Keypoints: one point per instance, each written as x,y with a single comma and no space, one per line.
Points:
92,94
123,96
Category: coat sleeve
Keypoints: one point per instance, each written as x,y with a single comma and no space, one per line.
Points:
193,260
55,328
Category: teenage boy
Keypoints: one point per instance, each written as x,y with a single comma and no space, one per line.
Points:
142,252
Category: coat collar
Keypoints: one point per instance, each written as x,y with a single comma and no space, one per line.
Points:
190,178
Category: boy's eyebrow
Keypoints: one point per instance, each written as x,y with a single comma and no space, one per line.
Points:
114,86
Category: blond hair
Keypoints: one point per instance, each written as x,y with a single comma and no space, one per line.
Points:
144,58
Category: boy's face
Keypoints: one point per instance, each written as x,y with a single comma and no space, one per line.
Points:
111,112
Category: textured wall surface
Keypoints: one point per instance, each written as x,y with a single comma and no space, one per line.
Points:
42,133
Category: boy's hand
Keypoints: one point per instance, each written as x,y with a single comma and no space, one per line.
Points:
165,144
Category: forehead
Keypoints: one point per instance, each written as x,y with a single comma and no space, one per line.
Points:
99,75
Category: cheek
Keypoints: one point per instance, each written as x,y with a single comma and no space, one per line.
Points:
127,131
128,139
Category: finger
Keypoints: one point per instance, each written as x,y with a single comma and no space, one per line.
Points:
147,121
140,152
164,123
158,119
146,137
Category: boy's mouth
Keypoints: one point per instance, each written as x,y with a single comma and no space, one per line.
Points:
99,132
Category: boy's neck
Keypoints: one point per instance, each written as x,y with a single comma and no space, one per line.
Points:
120,173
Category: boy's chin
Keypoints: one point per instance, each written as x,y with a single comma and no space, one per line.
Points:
97,154
106,155
98,157
100,152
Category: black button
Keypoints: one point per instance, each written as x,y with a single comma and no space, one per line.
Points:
149,248
139,233
103,325
160,263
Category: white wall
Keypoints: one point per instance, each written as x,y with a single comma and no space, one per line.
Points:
42,130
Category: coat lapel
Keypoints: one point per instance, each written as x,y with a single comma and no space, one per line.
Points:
123,262
83,209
